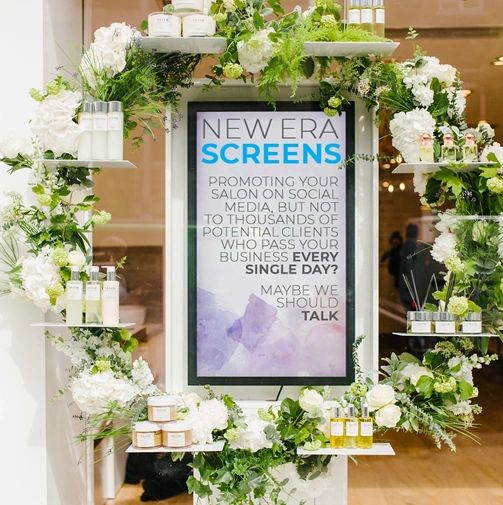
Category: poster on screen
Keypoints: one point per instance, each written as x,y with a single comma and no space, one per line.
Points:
271,234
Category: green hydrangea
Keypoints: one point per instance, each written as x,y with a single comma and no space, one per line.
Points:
358,389
220,17
54,291
335,102
313,446
101,217
495,185
454,264
232,435
330,112
329,21
458,305
60,257
265,415
233,70
447,386
36,94
44,200
101,365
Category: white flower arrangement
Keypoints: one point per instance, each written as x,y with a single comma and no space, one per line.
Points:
444,247
206,417
251,436
11,146
254,54
310,400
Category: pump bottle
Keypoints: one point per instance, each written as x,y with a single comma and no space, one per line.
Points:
110,299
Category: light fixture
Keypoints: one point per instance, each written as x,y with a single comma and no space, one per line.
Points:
466,92
399,158
391,188
392,161
402,186
385,184
386,166
500,58
498,63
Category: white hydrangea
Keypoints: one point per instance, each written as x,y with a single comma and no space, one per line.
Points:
252,436
432,68
206,417
254,54
11,146
462,368
54,125
310,400
423,95
406,128
444,247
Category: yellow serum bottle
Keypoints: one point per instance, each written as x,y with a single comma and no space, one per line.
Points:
367,15
337,428
351,428
365,429
354,14
378,17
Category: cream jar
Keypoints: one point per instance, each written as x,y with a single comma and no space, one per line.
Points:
198,25
419,322
472,323
183,6
445,322
177,434
161,408
162,24
146,435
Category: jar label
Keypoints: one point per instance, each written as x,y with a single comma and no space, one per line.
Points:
420,326
176,439
161,414
99,123
110,292
145,439
472,326
354,17
351,428
380,16
115,123
93,292
366,429
74,291
86,123
445,327
366,15
336,429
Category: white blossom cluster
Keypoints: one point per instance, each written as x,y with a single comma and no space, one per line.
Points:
254,54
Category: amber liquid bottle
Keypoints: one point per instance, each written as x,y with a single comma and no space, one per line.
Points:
367,16
337,429
351,428
379,16
365,429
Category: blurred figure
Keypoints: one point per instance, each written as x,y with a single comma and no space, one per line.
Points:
393,257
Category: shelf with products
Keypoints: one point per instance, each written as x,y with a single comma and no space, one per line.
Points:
350,49
377,449
187,45
87,163
214,447
83,325
440,335
430,168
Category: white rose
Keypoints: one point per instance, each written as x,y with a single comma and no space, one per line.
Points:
252,437
254,54
388,416
444,247
215,412
446,221
380,395
310,400
414,372
11,146
76,258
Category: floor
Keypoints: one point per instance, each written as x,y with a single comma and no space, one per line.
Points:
420,474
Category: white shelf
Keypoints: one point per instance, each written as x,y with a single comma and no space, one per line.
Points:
88,164
471,335
430,168
214,447
350,49
380,449
64,325
188,45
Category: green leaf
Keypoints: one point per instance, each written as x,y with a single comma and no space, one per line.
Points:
38,189
409,358
425,386
465,390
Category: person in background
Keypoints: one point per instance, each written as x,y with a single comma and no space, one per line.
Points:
393,257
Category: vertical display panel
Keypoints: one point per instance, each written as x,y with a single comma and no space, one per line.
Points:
271,244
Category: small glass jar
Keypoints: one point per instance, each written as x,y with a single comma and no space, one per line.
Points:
198,25
177,434
162,409
146,435
445,323
162,24
472,323
184,6
419,322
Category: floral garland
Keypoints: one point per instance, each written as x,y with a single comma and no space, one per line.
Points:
432,396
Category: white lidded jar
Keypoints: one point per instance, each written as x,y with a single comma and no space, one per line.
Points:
472,323
162,24
445,322
162,409
85,151
187,6
419,322
177,434
100,134
115,131
146,435
198,25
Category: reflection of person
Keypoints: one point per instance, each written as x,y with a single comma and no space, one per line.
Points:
393,257
409,262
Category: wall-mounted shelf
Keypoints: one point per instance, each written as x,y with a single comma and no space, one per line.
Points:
350,49
430,168
470,335
88,163
379,449
188,45
64,325
214,447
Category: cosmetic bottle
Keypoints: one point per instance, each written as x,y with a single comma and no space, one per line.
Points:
85,151
351,428
110,299
445,322
379,17
419,321
74,301
365,428
449,151
99,149
337,428
366,15
93,297
472,323
115,131
470,151
354,17
426,148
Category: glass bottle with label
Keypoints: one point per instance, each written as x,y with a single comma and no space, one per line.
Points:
426,148
367,15
115,131
365,428
100,110
110,299
351,428
93,297
379,17
449,150
354,17
337,428
74,301
470,151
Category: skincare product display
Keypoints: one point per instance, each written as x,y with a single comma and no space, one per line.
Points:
419,322
74,298
146,435
102,131
472,323
162,409
366,15
470,150
198,25
445,322
449,150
